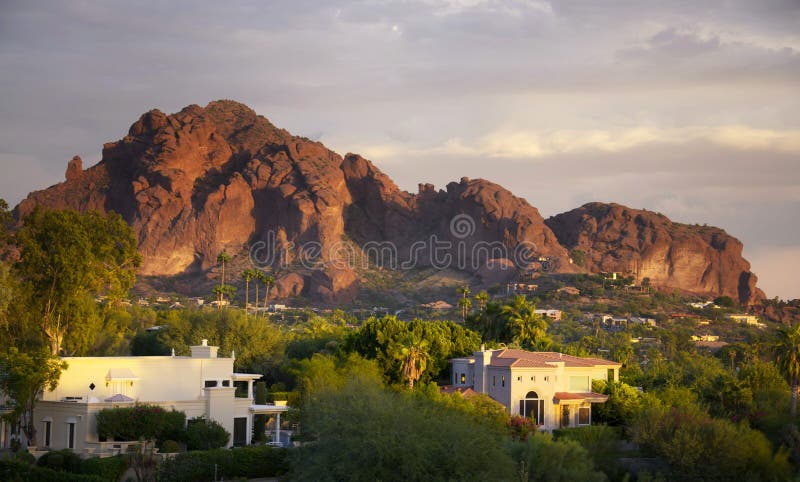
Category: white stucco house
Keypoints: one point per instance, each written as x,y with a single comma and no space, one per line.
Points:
202,384
554,389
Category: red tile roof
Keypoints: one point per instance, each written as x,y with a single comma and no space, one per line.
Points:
544,359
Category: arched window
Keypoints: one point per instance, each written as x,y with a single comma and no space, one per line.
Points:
533,407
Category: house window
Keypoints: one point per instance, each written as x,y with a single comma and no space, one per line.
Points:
532,407
503,381
533,379
547,379
71,435
584,416
519,379
210,383
463,378
494,381
579,384
610,375
226,383
48,426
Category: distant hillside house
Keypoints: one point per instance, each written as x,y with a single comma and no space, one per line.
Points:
746,319
553,389
554,315
199,385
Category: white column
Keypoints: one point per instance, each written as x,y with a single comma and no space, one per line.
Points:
250,389
276,437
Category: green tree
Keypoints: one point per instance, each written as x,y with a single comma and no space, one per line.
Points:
66,258
787,351
388,435
23,378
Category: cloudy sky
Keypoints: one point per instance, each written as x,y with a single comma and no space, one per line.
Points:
687,108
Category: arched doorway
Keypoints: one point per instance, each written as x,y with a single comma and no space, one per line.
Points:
532,407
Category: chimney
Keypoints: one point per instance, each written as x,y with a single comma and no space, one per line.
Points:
204,350
482,360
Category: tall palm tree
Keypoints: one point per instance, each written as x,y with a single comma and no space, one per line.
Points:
788,360
247,276
413,354
222,258
257,275
464,302
268,281
482,298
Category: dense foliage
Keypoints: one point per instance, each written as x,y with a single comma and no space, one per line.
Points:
245,462
140,421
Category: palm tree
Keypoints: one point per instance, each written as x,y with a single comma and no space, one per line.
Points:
528,328
482,298
788,360
247,276
413,354
222,258
257,275
464,302
268,281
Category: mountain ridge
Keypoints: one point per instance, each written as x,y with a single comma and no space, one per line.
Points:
221,177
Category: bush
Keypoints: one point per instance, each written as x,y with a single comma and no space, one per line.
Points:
202,434
65,460
249,462
140,421
25,457
109,468
169,447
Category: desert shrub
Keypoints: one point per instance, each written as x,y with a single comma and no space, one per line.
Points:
541,458
140,421
202,434
699,447
600,441
249,462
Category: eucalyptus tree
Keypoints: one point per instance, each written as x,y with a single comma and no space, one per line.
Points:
66,260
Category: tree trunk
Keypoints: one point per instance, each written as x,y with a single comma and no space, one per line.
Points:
794,399
256,286
246,296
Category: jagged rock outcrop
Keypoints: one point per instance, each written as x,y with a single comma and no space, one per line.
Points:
701,260
221,177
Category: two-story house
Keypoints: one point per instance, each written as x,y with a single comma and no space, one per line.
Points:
554,389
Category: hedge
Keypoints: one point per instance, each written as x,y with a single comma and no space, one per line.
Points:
110,468
15,471
249,462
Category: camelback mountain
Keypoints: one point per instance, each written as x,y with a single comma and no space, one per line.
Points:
222,178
